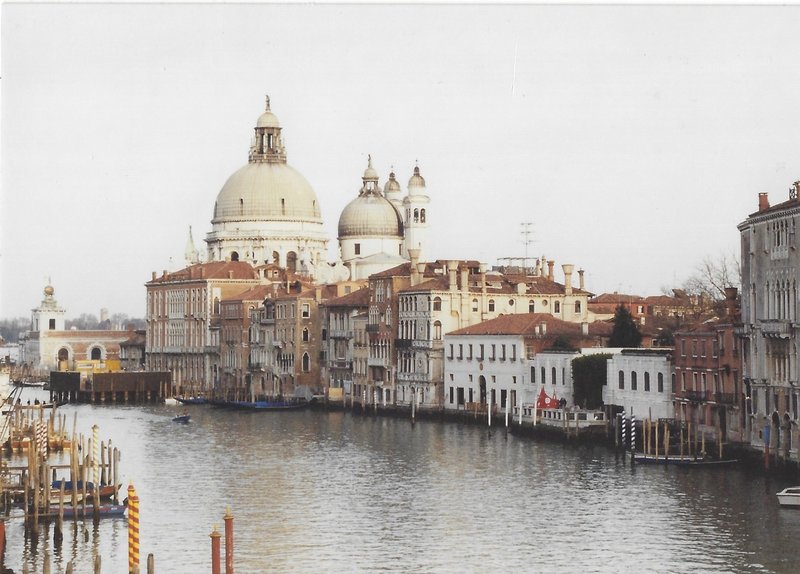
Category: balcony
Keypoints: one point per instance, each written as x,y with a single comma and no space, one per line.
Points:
411,378
340,334
776,328
340,364
726,398
378,362
694,396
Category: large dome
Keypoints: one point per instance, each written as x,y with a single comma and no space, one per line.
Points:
266,191
370,214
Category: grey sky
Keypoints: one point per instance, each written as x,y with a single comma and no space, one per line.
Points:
634,138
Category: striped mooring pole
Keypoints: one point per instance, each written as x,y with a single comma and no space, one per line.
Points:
633,436
624,434
133,528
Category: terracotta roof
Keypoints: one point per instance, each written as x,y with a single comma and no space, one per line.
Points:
666,301
788,204
257,293
359,298
211,270
616,298
404,269
521,324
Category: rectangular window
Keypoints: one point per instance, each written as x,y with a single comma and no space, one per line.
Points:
533,375
470,378
450,354
470,395
683,347
480,356
492,356
513,352
460,351
469,351
460,395
451,395
358,249
502,352
513,379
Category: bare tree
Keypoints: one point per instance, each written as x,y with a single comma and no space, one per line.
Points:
710,279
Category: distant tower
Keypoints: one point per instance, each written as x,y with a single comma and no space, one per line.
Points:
415,207
393,192
48,316
191,254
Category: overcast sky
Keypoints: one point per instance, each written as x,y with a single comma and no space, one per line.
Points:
634,139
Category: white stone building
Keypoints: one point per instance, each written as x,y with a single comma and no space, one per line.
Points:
770,264
640,381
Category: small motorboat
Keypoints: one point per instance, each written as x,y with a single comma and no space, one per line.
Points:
183,419
789,497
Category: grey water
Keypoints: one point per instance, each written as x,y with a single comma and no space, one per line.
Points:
314,491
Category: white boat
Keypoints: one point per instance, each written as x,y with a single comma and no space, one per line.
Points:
789,497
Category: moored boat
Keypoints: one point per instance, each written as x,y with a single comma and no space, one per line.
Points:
273,405
789,497
192,400
106,491
682,461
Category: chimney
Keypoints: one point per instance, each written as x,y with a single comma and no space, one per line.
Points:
580,279
452,268
413,254
164,273
465,279
567,267
154,276
230,273
730,301
763,201
482,271
550,265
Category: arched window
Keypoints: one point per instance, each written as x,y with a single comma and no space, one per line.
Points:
305,335
422,216
531,306
475,305
63,355
491,305
437,303
647,382
553,374
416,215
557,307
621,379
437,330
633,381
577,306
291,261
544,372
306,363
96,354
660,382
234,256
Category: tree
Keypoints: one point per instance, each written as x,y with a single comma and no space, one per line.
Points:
561,343
10,329
626,331
588,377
711,277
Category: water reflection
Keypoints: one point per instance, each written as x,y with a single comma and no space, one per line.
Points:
313,491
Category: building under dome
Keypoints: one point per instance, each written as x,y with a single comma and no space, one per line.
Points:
267,212
373,234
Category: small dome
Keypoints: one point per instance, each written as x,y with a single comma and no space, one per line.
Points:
49,290
370,172
370,214
416,180
267,120
392,184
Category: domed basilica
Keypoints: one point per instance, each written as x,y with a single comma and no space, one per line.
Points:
268,213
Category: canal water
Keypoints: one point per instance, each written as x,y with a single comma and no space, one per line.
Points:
318,492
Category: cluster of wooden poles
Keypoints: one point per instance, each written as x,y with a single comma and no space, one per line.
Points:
690,445
215,546
22,421
37,479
